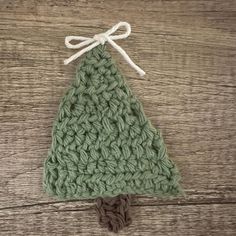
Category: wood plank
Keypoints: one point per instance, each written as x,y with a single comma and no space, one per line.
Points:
191,85
179,220
187,49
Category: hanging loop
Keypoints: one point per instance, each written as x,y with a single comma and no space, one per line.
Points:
89,43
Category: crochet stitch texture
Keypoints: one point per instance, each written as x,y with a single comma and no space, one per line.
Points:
103,145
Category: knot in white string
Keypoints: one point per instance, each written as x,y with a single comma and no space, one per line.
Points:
101,39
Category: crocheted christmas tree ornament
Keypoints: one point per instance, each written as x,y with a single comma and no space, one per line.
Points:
103,145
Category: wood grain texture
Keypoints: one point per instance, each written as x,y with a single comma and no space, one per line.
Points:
155,220
187,49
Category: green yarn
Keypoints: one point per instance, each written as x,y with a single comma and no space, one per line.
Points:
103,145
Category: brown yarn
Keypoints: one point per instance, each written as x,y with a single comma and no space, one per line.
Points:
113,212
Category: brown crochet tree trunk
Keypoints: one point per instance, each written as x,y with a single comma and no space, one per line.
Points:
113,212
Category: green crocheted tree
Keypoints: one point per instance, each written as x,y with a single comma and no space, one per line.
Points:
103,145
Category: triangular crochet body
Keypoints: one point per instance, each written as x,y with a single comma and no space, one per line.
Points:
103,145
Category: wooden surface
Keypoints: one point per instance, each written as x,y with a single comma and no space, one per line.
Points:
187,48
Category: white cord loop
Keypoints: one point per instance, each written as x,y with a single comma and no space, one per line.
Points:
101,39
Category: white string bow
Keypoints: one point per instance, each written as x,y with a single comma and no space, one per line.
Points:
101,39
